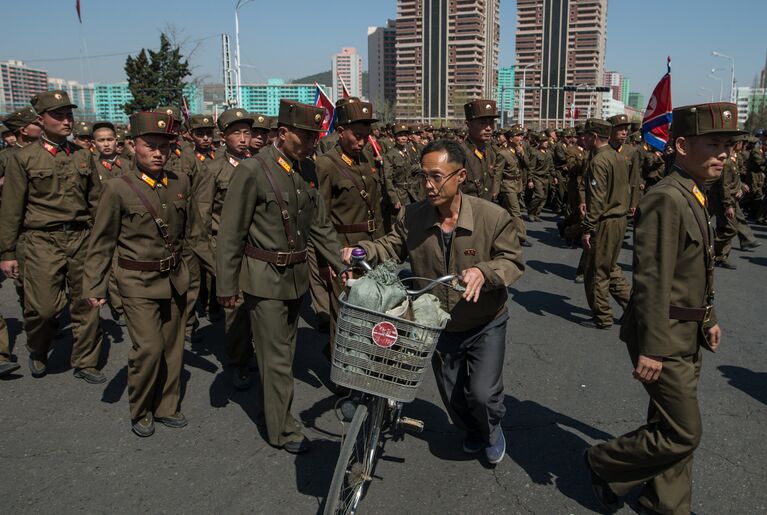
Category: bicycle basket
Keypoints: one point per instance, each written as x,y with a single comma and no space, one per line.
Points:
394,371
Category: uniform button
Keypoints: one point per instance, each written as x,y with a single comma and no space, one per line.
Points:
298,232
298,191
363,177
164,206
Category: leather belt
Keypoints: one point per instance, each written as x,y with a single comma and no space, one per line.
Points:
66,226
163,265
369,226
275,258
690,314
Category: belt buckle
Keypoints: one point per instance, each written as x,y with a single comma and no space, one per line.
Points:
371,226
707,314
165,264
283,258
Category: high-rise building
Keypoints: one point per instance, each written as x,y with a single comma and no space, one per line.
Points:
636,101
750,100
558,43
347,69
625,90
505,92
447,55
110,100
18,84
265,98
83,95
619,85
382,63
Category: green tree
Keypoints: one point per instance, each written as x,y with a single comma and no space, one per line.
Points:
157,79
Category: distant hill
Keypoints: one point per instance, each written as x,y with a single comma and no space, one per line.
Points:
327,79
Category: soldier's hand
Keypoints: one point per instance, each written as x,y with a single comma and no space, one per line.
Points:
96,303
586,239
227,302
397,205
530,185
745,188
346,255
714,337
632,211
555,181
582,209
10,268
648,368
473,279
730,213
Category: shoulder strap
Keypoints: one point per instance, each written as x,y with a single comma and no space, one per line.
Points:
704,230
161,225
281,202
356,180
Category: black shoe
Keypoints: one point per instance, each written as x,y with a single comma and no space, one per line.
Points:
37,368
241,378
591,323
7,367
525,243
725,264
90,375
601,489
749,245
176,421
144,427
298,447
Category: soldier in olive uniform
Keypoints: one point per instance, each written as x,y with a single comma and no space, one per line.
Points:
604,224
618,138
540,169
512,181
236,127
9,139
401,186
272,211
49,194
259,135
559,175
484,176
142,217
350,186
575,168
670,317
82,135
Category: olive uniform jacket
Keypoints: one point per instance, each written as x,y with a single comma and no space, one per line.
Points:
484,237
483,175
400,184
669,269
106,169
540,165
511,174
607,187
252,214
341,177
125,226
45,186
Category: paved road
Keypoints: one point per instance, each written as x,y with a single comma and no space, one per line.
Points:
67,445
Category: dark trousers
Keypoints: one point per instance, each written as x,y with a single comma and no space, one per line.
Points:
468,367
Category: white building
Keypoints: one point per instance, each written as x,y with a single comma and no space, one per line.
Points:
347,66
611,107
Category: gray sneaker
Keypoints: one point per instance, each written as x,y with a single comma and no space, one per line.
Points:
144,427
176,421
37,368
7,367
90,375
497,450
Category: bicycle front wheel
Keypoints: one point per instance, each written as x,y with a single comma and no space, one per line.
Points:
354,469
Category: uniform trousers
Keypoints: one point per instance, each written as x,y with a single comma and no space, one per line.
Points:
317,287
239,339
537,196
659,454
274,323
156,328
510,200
53,264
602,276
468,366
114,294
190,318
727,229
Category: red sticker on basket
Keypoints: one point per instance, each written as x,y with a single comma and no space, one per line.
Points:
385,334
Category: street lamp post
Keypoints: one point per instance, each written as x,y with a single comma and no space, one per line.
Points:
721,82
732,67
521,116
240,3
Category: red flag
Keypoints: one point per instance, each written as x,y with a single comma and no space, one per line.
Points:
79,16
657,117
322,100
344,91
184,108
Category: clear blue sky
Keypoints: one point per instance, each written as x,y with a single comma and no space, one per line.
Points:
293,38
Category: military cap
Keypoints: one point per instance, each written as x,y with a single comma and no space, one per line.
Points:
713,118
568,132
580,128
301,116
82,128
3,128
480,108
635,125
231,116
50,100
401,128
216,135
200,121
541,137
273,122
619,119
103,125
429,128
514,130
260,121
20,118
175,112
601,128
154,122
759,132
415,128
355,111
120,135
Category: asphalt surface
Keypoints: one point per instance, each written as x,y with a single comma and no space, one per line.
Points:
67,447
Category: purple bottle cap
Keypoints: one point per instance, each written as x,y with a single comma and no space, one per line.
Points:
359,253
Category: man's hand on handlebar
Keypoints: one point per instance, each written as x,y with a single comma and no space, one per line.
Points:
346,255
473,279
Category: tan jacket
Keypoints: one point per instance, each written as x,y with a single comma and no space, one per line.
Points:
511,174
669,269
251,213
484,237
43,189
123,225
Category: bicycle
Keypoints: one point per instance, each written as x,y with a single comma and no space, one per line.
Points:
384,363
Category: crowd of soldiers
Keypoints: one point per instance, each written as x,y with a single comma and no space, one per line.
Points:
238,217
